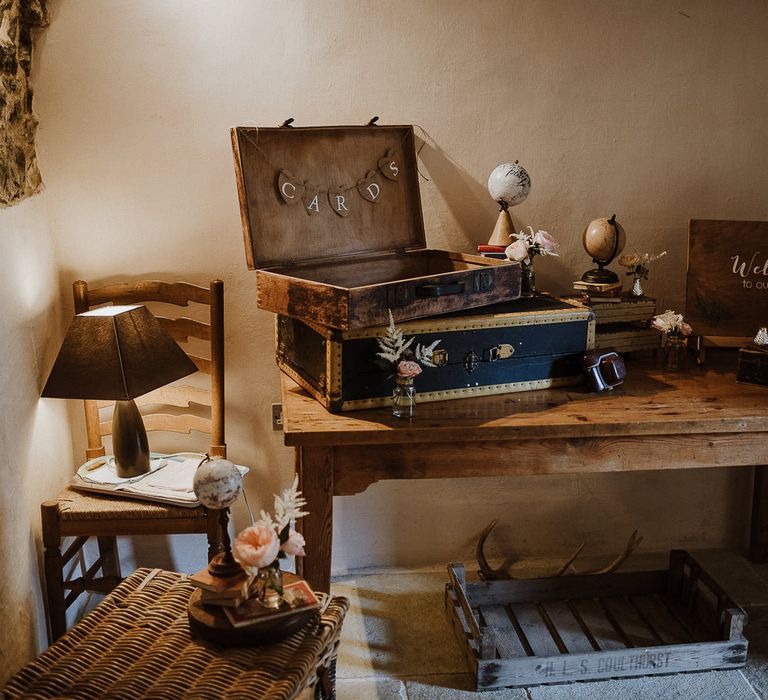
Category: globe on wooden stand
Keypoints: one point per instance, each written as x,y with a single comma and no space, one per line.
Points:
509,184
603,240
218,484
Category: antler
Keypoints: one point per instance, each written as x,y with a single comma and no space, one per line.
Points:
488,573
632,544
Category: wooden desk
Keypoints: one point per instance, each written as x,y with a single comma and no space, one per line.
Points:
694,419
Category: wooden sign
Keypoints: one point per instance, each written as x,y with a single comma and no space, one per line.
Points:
727,282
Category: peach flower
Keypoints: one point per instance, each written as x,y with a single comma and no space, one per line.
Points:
256,546
546,242
517,251
408,368
294,545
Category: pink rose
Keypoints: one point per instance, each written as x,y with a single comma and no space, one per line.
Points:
685,329
408,368
256,546
546,242
659,324
517,251
294,545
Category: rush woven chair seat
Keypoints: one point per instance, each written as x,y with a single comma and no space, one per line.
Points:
136,643
82,515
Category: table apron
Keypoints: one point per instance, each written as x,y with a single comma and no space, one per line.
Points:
355,467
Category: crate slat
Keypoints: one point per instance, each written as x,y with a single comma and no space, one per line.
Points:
535,630
688,619
614,664
568,627
508,645
635,628
658,616
599,624
565,587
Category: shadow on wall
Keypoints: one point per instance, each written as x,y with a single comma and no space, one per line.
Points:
34,436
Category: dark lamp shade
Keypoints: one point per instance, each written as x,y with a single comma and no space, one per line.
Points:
115,353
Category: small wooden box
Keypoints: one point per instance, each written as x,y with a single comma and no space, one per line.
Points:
512,346
752,367
347,271
576,628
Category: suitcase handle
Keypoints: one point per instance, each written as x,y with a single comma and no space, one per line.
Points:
439,290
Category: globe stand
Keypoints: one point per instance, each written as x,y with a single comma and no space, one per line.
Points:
503,229
224,564
600,275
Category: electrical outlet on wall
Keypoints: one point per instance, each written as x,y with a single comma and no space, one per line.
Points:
277,416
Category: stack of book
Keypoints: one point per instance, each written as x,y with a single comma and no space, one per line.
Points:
623,323
598,290
492,251
224,591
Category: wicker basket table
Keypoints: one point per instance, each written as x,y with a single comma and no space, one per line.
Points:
136,644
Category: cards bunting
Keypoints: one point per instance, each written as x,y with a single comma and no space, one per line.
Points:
340,200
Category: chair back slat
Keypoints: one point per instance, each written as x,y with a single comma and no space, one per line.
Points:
181,396
183,423
181,330
203,363
178,293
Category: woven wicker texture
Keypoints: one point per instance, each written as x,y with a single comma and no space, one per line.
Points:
137,644
76,505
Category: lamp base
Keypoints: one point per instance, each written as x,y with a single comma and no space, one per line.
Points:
129,440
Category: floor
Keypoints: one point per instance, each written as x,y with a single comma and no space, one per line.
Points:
397,642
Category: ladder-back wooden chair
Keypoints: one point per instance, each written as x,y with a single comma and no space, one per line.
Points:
82,515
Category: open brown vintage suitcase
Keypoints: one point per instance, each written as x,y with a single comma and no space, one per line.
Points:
332,224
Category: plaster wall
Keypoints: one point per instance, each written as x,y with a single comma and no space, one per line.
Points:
653,110
34,433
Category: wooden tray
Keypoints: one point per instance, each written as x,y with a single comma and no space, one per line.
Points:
575,628
346,272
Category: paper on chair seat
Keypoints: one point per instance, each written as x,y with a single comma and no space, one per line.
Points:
168,482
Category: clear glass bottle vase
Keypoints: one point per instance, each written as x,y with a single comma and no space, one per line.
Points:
403,397
527,280
269,586
674,351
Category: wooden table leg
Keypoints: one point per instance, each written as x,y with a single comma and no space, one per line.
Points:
314,465
758,544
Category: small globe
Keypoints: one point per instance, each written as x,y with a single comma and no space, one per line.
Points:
509,183
604,239
217,483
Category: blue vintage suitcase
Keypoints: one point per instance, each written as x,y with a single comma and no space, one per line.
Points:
512,346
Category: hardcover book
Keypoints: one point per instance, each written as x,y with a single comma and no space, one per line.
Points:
298,597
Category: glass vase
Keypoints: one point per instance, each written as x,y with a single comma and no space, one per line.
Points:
674,351
269,587
527,280
403,397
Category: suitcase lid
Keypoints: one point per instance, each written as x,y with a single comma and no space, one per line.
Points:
290,179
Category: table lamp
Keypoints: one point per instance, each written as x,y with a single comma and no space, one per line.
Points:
118,353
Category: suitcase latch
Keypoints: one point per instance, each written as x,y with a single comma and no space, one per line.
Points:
440,357
483,280
470,361
499,352
400,295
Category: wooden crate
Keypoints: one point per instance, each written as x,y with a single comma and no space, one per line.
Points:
348,271
575,628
